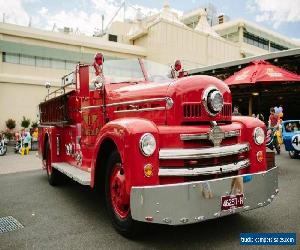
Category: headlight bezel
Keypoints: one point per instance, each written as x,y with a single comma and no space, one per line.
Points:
144,151
255,135
208,98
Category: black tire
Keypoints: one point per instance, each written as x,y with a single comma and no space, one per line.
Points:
3,150
293,154
125,226
54,176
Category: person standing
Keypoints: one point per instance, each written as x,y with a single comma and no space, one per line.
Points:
236,110
273,119
27,141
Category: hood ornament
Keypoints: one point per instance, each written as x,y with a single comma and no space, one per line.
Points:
216,135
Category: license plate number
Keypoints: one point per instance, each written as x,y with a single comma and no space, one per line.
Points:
232,201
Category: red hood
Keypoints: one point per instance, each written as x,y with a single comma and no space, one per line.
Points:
183,91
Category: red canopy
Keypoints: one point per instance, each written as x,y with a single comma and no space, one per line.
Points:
261,71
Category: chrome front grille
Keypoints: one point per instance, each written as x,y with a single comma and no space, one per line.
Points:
191,110
219,169
213,156
226,110
202,153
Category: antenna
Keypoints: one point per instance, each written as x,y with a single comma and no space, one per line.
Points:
102,29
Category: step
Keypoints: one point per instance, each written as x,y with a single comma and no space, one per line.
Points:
81,176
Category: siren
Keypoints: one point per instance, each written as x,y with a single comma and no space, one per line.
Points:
177,65
98,63
99,59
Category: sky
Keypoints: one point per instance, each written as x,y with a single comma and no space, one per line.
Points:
282,16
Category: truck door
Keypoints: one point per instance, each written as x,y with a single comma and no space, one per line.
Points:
92,122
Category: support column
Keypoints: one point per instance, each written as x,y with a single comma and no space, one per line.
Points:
250,105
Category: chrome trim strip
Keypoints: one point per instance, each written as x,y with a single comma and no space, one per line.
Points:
190,137
137,101
45,126
220,169
50,124
91,107
205,136
232,133
202,153
139,110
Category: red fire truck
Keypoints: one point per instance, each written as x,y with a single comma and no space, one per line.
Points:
163,146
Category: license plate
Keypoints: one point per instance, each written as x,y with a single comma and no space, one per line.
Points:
232,201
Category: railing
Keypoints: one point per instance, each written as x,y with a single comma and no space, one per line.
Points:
67,81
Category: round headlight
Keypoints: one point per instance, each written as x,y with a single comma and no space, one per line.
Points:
259,136
147,144
213,100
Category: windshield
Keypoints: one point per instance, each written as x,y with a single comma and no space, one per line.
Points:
130,70
292,126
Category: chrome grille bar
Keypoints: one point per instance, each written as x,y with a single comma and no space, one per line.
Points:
202,153
221,169
205,136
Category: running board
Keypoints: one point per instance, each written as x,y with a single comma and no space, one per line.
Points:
74,173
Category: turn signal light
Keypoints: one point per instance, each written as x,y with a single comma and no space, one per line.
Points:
259,156
148,170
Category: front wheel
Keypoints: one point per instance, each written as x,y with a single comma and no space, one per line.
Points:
117,198
293,154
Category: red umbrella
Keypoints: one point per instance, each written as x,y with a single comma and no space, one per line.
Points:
261,71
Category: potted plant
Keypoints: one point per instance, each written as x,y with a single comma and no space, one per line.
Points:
25,122
10,125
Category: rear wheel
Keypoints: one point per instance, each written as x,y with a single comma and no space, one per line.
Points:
53,174
294,154
117,199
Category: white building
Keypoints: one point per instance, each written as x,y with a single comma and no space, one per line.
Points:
29,57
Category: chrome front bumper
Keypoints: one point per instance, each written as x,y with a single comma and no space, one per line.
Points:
191,202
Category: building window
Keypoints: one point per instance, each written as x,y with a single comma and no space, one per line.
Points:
27,60
43,62
58,64
277,47
11,58
112,38
37,61
70,65
261,42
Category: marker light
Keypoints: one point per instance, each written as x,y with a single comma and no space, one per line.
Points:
148,170
259,156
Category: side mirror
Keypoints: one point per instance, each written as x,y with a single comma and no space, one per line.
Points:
47,85
176,69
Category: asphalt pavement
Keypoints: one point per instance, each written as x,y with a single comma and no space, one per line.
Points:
72,216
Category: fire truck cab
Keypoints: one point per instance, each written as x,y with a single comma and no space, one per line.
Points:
164,146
